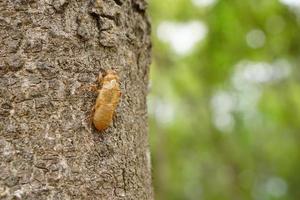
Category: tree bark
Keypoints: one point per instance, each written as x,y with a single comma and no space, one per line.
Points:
50,50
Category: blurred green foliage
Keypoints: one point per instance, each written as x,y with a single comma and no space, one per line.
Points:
225,116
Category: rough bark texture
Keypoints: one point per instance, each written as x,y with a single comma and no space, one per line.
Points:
49,50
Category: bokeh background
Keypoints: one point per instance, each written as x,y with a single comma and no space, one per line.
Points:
224,99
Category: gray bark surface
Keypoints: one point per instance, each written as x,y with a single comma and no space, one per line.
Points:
50,50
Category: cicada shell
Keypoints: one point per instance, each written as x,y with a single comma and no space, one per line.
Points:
107,101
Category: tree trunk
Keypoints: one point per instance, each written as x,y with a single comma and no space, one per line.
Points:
50,50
